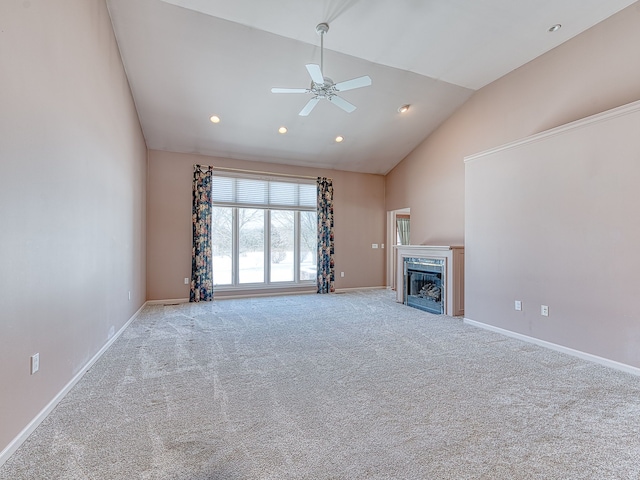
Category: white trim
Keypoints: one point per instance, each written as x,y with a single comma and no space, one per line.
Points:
265,294
222,295
392,242
360,289
268,294
169,300
583,122
33,424
255,294
559,348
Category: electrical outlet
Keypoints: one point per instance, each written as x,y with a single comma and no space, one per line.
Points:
518,305
342,274
35,363
382,245
186,281
544,310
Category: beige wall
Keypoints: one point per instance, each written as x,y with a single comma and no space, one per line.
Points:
72,199
592,73
553,221
359,221
596,71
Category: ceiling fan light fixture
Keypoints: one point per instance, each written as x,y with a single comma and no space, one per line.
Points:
404,108
339,138
555,28
214,119
282,130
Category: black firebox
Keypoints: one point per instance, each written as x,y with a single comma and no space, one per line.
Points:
424,283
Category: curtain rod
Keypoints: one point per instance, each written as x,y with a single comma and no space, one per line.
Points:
272,174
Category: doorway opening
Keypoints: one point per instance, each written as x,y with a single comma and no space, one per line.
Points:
398,233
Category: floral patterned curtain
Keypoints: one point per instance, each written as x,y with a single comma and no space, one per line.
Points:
201,268
326,274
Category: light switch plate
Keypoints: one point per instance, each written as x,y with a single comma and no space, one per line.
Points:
518,305
35,363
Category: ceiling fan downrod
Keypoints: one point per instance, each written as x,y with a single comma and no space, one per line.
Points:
321,29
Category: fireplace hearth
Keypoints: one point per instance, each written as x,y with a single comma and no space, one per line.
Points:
424,284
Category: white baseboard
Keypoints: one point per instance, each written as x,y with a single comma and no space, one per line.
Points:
231,296
559,348
358,289
301,292
168,301
28,430
267,294
254,294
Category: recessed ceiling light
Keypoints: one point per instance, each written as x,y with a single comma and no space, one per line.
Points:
339,138
404,108
282,130
555,28
214,119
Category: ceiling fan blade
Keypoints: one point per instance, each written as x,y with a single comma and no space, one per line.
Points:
289,90
315,72
309,106
354,83
342,103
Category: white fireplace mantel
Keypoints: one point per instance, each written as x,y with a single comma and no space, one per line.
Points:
454,272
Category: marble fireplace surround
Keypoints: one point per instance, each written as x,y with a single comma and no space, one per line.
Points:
454,272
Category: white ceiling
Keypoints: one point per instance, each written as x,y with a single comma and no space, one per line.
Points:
189,59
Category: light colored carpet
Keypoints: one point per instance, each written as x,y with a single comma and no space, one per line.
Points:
349,386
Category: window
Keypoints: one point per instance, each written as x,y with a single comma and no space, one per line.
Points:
250,245
264,231
283,237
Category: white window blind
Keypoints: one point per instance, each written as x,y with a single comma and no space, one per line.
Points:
261,192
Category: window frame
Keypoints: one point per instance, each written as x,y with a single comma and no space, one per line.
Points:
267,283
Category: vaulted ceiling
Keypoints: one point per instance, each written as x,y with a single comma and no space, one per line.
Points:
187,60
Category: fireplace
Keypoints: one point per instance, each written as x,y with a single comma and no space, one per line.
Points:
424,283
449,259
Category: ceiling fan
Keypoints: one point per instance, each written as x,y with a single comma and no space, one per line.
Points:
323,87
